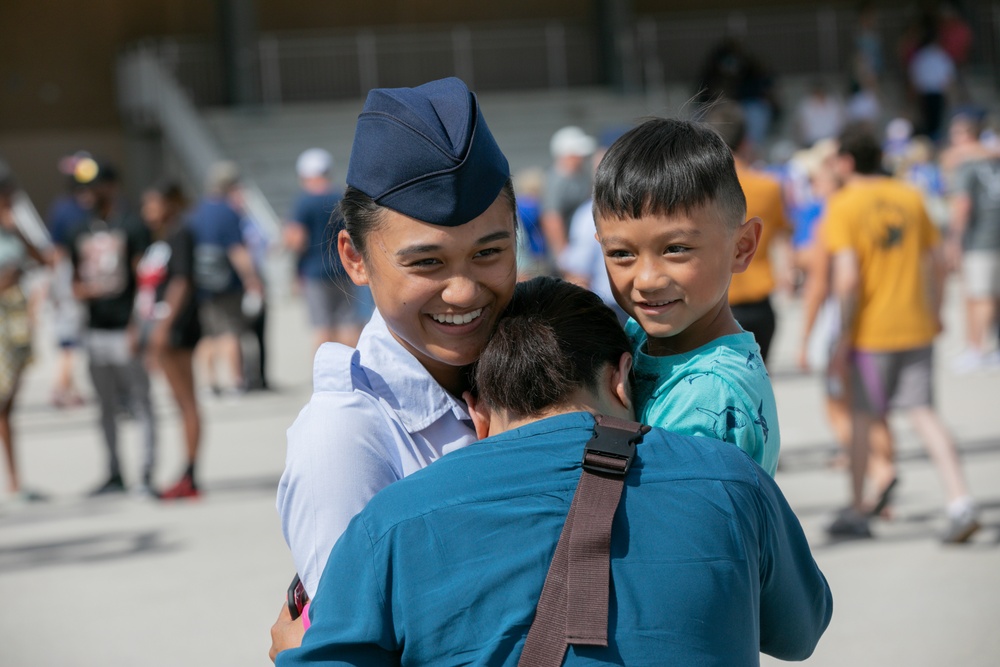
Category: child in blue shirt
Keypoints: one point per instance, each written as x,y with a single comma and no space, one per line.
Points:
671,219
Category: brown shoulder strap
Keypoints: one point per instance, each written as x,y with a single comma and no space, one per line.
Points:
573,608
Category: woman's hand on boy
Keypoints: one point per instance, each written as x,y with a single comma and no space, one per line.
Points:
286,633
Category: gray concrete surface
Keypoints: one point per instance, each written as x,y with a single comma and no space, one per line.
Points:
126,581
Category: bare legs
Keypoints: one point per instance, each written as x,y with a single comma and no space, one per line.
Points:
941,448
178,370
223,350
7,437
881,456
981,315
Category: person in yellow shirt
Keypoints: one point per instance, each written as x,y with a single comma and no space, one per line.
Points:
883,245
750,292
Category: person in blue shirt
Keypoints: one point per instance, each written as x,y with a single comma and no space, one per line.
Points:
671,219
224,273
331,298
708,563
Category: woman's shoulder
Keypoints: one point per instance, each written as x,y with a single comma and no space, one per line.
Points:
342,390
337,368
343,405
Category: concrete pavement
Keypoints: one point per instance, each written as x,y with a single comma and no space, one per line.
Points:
127,581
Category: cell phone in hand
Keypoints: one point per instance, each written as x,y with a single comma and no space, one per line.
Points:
297,597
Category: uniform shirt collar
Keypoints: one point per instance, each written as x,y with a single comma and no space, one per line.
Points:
402,381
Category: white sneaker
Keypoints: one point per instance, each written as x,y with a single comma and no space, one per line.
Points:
963,521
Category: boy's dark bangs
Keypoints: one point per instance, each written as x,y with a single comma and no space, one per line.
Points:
656,185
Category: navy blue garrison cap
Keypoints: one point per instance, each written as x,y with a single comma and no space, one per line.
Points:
426,152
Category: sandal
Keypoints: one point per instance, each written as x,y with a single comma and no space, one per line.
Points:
884,498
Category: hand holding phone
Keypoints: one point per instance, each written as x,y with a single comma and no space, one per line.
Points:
297,597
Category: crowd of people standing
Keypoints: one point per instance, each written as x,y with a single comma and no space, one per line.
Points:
138,290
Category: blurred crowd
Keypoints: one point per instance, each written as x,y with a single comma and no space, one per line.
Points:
170,287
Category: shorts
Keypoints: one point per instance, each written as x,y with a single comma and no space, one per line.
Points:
981,270
186,337
15,340
222,314
884,380
331,302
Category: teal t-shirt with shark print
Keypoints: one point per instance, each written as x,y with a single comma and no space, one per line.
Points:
720,390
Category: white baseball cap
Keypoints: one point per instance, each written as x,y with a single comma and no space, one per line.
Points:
573,141
314,162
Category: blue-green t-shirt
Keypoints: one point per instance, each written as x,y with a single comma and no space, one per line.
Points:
720,390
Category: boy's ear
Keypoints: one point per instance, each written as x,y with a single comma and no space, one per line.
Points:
747,239
621,385
351,258
480,415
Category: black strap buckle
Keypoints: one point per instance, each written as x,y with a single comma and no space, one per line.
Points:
611,449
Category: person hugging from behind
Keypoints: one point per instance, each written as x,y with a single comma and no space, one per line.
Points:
707,563
671,219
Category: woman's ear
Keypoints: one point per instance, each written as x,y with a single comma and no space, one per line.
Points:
747,240
351,258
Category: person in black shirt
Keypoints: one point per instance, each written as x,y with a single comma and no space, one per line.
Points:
104,245
168,314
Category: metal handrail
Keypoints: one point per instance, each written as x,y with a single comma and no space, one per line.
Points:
29,222
150,97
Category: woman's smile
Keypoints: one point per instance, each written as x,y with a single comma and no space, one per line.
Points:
458,318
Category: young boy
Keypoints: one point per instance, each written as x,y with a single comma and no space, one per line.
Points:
671,219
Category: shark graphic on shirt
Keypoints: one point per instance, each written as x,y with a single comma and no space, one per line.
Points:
754,362
728,420
731,418
762,420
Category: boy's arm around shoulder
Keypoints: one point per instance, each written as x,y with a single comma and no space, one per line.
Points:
795,599
339,455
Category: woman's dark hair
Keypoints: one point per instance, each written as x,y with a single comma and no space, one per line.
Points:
553,338
665,166
859,141
361,215
171,191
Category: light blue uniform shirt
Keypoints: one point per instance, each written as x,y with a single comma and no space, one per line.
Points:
709,565
375,416
720,390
